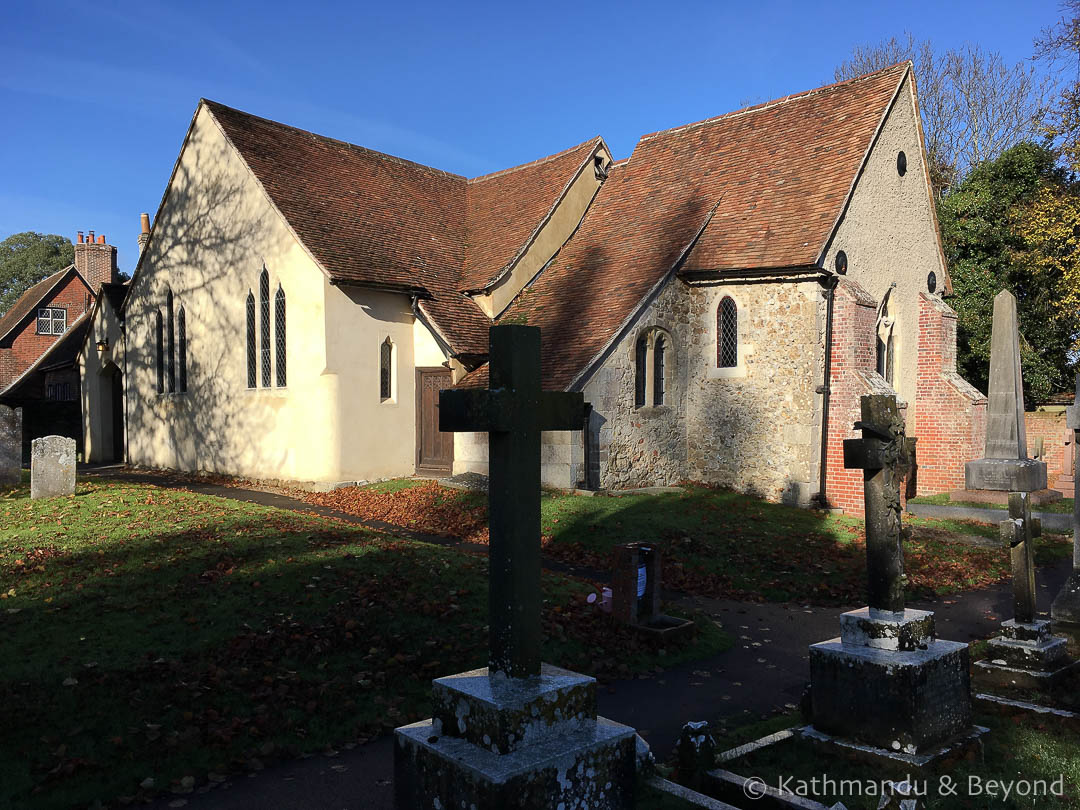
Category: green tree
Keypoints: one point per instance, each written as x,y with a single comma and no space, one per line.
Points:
991,244
26,258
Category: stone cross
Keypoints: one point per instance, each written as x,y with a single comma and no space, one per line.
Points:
883,454
513,411
1072,421
1019,531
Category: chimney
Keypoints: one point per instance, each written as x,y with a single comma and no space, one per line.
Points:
95,260
144,233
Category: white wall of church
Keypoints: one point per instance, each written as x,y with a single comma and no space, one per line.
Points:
96,390
212,237
890,235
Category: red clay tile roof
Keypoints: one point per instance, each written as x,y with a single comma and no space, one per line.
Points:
506,209
376,220
27,302
778,174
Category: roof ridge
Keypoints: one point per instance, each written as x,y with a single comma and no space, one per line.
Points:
595,141
776,102
326,138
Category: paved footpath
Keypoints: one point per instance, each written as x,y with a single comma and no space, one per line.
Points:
766,670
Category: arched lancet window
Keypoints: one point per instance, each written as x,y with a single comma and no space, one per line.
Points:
658,370
641,359
159,333
181,346
886,343
279,336
251,354
386,370
727,334
264,326
171,344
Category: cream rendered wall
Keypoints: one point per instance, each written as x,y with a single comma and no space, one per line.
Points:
890,234
552,236
213,235
96,384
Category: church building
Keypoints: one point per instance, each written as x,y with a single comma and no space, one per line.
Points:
722,297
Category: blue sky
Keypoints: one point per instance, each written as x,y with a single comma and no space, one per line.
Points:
98,95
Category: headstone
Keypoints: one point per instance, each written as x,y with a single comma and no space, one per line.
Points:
1005,465
518,733
635,593
52,467
888,688
10,446
1025,654
1066,608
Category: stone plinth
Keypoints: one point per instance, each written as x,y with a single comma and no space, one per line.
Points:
1026,655
1005,474
884,630
1039,497
10,446
52,467
1065,611
498,742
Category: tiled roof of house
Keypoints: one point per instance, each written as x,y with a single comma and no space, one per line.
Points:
64,352
375,220
28,302
767,185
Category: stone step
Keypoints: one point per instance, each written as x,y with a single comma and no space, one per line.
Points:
1044,655
1023,631
502,714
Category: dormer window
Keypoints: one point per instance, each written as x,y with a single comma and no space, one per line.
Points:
598,168
51,321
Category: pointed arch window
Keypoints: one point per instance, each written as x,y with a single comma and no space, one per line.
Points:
170,345
181,349
386,370
279,337
659,350
159,334
641,359
251,353
886,343
727,333
264,327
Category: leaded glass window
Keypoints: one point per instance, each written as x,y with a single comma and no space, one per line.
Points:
727,334
171,344
641,355
52,321
264,327
386,370
251,353
658,371
159,331
279,336
181,339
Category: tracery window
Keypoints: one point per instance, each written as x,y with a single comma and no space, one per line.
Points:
251,352
651,368
279,336
727,333
264,327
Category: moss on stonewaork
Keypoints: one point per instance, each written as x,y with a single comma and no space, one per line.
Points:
155,637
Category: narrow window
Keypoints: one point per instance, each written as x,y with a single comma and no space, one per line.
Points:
171,345
264,326
44,323
181,337
251,356
658,371
881,350
888,375
279,335
159,331
641,354
386,372
727,334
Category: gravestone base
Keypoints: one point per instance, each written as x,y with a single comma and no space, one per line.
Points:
666,628
1005,474
907,701
1040,497
927,760
498,742
1066,607
885,630
1026,656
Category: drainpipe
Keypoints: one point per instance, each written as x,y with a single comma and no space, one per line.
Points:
829,282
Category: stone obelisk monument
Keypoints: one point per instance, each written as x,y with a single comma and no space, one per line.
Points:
1066,609
1005,466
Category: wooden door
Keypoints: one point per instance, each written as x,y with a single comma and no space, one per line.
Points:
434,449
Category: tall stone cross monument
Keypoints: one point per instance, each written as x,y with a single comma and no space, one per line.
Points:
518,733
1066,608
888,686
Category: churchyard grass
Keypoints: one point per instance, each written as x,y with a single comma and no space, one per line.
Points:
157,634
715,542
1064,506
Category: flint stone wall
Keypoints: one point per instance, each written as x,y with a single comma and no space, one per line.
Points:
10,445
52,467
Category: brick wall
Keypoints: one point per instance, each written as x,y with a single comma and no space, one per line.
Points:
24,346
950,413
853,375
96,262
1050,427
